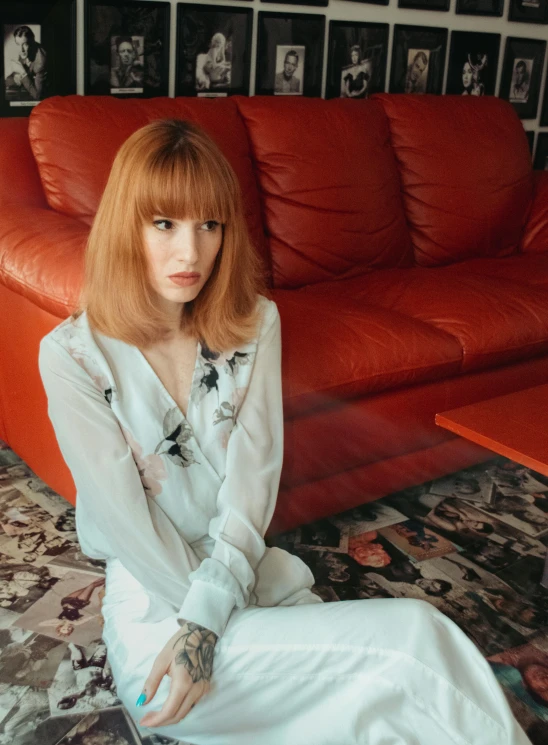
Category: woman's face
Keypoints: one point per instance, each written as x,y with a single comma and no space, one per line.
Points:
174,246
354,56
467,75
431,585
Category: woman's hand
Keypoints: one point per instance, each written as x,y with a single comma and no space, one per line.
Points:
188,659
18,67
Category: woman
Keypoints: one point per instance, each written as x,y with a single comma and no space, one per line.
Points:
221,636
356,78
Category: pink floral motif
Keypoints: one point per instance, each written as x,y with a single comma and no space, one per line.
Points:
224,437
151,467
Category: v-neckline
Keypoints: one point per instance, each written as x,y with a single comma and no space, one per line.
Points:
167,394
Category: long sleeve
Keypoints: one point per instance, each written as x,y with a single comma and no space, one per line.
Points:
112,508
34,82
247,497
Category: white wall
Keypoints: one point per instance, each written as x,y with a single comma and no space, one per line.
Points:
344,10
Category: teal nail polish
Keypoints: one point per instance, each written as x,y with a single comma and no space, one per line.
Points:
141,700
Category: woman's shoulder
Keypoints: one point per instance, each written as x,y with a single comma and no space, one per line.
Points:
269,314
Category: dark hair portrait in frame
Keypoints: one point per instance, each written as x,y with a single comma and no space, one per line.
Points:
521,73
480,7
281,33
33,64
357,58
213,50
528,11
126,48
473,63
540,162
418,59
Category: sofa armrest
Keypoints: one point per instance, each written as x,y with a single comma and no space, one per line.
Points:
42,256
535,235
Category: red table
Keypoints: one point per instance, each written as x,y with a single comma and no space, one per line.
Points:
514,425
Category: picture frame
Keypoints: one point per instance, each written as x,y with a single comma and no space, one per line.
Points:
528,11
320,3
530,140
540,162
213,56
371,2
521,74
544,109
418,59
290,50
357,59
126,48
473,63
34,65
480,7
439,5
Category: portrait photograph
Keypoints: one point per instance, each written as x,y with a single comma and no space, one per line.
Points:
521,74
126,48
213,50
289,54
289,69
357,57
540,162
418,59
528,11
34,64
480,7
473,62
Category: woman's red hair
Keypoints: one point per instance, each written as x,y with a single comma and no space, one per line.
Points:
172,168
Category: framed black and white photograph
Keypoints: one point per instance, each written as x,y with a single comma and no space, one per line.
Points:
541,153
39,53
126,48
424,4
213,50
418,59
357,58
473,63
528,11
289,54
480,7
521,74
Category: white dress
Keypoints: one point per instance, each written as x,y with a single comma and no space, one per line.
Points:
178,507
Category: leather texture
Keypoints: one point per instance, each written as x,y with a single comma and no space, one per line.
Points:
407,239
465,173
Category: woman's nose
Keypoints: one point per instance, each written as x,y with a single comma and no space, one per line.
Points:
187,246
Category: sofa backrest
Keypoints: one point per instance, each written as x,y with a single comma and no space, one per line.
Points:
75,139
466,174
330,187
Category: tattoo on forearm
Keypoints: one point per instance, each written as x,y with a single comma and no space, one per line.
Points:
197,645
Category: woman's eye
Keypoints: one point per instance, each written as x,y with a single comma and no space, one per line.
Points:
159,223
210,225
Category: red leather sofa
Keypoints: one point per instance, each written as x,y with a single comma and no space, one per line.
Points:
406,239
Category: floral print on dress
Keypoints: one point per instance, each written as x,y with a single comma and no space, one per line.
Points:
74,346
177,433
151,467
228,410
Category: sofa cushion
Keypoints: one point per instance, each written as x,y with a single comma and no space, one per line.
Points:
496,321
75,138
527,269
329,185
338,347
466,174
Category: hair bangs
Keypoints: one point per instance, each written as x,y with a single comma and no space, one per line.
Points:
183,186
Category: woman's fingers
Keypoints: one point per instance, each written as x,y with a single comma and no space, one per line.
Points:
192,698
177,693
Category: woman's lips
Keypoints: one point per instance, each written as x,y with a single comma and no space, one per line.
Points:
185,281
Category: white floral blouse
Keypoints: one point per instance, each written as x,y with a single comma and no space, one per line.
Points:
182,502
